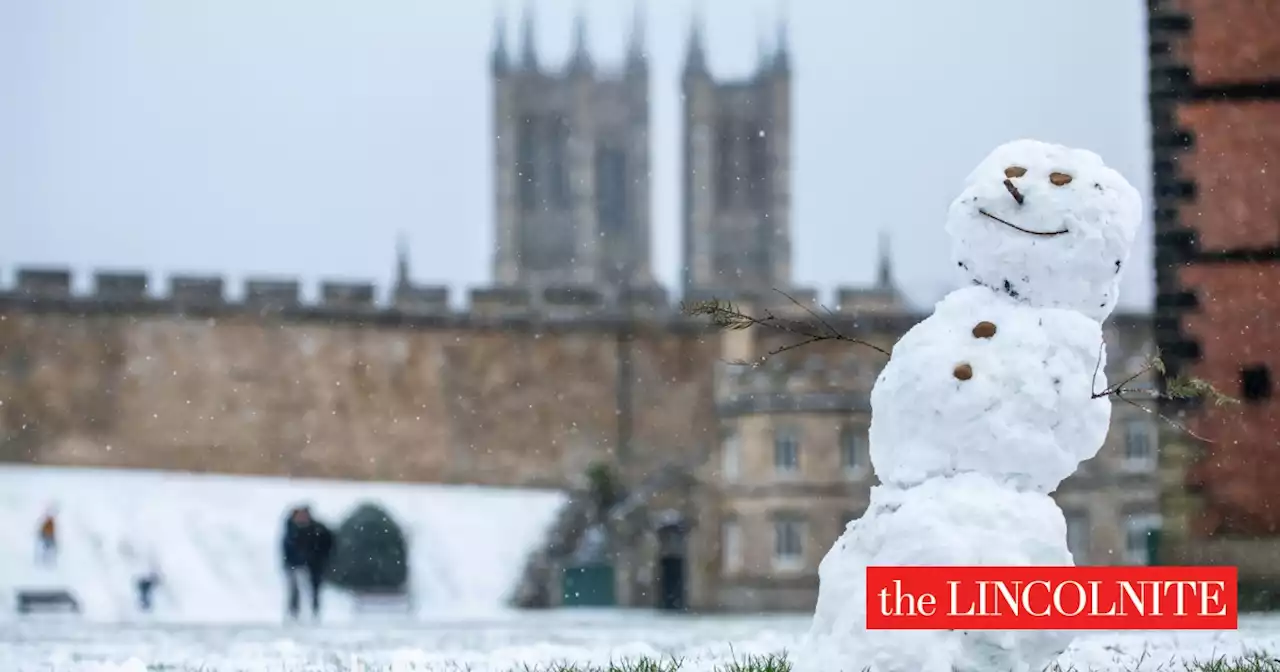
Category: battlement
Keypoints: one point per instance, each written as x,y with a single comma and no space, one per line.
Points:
51,289
136,292
129,285
196,290
851,300
272,294
347,294
44,282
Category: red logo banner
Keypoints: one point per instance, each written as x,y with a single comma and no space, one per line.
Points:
1051,598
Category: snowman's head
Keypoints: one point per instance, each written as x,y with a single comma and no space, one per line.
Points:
1046,224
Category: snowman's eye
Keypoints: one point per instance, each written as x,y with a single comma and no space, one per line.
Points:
1059,179
1015,171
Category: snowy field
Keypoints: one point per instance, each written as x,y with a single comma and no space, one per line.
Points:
511,641
217,540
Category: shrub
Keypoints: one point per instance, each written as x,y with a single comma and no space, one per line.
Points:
370,553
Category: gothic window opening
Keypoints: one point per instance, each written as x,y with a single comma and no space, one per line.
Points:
526,162
726,171
558,165
758,168
611,190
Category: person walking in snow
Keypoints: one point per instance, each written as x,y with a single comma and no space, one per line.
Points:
146,583
47,539
306,548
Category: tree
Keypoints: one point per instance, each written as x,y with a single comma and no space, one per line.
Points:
606,491
371,554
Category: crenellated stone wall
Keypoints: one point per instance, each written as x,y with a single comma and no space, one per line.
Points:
345,387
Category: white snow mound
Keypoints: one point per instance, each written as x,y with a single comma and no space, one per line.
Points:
968,519
216,540
1025,417
1064,245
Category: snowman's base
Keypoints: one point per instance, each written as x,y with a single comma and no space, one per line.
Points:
962,520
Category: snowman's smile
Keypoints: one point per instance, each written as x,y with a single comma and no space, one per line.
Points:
1019,228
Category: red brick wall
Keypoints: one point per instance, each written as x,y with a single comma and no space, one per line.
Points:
1232,40
1235,164
1233,47
1236,326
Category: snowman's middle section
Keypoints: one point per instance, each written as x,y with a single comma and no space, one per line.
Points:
991,386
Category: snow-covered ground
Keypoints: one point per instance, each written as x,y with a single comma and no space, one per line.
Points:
217,540
512,642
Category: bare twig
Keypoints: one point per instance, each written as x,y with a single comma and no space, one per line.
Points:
1115,389
1176,388
1172,423
725,315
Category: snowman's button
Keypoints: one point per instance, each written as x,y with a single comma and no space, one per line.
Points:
963,372
984,329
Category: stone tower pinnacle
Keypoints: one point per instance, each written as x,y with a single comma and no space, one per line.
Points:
528,39
695,55
782,47
636,47
402,261
501,60
884,269
580,60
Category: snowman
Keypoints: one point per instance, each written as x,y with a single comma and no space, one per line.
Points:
986,406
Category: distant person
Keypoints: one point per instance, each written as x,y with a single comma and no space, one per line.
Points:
306,547
47,538
146,583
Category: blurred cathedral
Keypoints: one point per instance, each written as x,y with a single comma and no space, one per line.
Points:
572,175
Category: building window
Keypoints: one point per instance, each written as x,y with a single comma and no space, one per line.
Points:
726,171
731,455
786,450
1138,531
611,190
1078,536
759,169
1139,446
558,168
1255,383
731,546
526,158
788,544
854,449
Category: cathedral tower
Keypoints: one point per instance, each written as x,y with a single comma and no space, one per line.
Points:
737,174
571,166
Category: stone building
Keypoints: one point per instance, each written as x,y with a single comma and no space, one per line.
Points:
736,175
571,167
737,479
1215,111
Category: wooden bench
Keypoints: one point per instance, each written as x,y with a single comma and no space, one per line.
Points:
45,600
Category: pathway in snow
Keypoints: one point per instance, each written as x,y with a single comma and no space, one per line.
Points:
217,539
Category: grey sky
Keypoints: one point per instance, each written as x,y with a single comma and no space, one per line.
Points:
297,137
